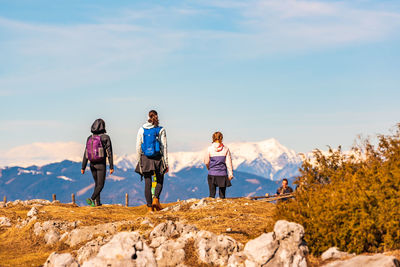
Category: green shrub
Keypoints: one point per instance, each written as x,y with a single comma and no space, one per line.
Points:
350,200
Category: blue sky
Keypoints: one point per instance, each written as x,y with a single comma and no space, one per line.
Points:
308,73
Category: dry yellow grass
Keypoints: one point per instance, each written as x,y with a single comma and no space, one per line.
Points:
20,247
247,218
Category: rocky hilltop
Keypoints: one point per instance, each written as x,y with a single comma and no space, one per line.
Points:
193,232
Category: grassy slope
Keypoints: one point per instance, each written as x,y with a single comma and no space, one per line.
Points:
20,247
248,219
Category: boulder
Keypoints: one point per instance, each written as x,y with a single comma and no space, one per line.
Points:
171,253
237,259
366,261
201,204
87,233
60,260
61,226
147,222
36,202
215,249
262,249
179,205
91,248
52,237
124,249
167,230
334,253
5,222
283,247
34,211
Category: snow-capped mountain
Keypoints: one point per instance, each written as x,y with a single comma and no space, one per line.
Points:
258,168
268,159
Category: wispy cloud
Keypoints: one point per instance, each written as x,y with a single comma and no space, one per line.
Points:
129,42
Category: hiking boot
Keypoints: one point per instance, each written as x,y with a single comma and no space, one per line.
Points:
156,204
97,203
90,202
150,209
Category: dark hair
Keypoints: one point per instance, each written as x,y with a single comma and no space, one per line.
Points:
217,136
153,117
285,180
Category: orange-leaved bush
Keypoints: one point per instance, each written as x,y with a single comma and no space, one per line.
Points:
350,200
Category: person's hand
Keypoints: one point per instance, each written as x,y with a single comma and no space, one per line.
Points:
111,171
82,171
167,170
230,178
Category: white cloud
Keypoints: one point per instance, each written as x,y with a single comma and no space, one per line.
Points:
41,154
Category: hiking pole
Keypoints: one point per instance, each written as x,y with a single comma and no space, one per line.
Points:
286,196
273,196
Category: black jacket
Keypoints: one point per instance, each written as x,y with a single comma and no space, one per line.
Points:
98,128
281,190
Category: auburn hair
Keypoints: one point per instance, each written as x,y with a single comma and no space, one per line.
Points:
217,136
153,117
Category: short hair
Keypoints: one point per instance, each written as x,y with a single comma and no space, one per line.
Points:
284,179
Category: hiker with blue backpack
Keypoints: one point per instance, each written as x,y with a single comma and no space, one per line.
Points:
151,148
98,148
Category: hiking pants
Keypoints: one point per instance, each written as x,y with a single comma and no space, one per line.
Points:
213,188
147,187
99,177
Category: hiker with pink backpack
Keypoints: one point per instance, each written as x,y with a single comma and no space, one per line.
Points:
98,148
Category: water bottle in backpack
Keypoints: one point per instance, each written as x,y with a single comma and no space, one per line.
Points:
151,143
94,149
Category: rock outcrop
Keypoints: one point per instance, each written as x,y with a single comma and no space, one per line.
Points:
169,241
366,261
60,260
32,212
52,230
334,253
5,222
86,233
174,237
124,249
91,248
283,247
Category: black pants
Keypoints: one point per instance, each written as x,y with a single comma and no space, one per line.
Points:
99,177
147,187
213,188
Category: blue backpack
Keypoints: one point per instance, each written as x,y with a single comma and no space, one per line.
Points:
151,142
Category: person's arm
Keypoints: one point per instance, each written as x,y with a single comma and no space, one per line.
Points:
229,164
278,191
207,159
109,152
84,161
139,141
164,147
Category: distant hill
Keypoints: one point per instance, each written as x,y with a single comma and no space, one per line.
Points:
259,167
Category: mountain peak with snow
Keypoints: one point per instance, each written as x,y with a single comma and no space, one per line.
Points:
267,158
